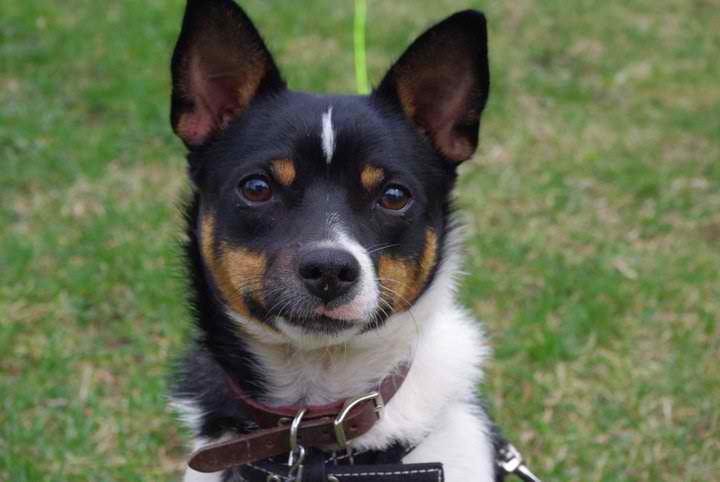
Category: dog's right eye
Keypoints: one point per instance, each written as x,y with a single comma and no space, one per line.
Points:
395,198
255,189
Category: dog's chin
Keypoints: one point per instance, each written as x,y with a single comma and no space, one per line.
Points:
322,324
318,331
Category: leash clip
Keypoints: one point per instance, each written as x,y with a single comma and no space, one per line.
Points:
340,435
510,460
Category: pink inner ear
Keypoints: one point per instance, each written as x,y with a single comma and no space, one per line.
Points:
194,127
213,86
440,109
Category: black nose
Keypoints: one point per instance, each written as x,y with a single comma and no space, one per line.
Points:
328,273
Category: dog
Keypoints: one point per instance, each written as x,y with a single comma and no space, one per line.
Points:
323,256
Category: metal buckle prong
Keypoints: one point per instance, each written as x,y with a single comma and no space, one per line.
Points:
340,435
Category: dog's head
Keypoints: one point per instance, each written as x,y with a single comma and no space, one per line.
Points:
322,216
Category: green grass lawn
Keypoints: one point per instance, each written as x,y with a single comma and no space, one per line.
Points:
593,212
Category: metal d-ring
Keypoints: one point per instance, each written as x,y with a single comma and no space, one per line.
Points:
297,451
295,472
294,427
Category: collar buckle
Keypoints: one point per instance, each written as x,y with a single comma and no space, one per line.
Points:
340,435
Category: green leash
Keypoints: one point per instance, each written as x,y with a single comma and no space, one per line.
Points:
361,77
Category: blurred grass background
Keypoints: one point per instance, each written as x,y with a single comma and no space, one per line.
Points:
593,209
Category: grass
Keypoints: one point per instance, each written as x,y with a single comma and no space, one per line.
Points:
593,210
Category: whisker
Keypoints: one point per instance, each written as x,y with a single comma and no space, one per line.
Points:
381,247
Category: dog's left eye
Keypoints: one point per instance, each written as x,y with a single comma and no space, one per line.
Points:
255,189
395,198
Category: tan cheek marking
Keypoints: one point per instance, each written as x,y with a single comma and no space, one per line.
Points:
283,171
404,280
207,234
429,257
216,266
235,271
396,276
371,177
245,271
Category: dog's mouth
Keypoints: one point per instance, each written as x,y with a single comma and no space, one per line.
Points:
310,315
320,324
328,319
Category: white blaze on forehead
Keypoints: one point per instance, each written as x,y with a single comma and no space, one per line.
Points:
328,136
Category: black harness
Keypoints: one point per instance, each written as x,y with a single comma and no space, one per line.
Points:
373,466
369,466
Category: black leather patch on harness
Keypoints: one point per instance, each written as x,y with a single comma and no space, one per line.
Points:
431,472
388,473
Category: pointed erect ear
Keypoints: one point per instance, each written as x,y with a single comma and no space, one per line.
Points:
219,65
442,81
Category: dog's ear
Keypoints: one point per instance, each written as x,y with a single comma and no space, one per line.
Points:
442,81
219,65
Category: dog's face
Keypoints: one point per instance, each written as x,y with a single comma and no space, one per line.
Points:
322,216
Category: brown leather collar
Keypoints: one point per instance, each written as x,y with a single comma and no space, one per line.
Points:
317,428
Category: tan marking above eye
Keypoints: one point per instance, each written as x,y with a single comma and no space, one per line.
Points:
371,177
283,171
404,279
